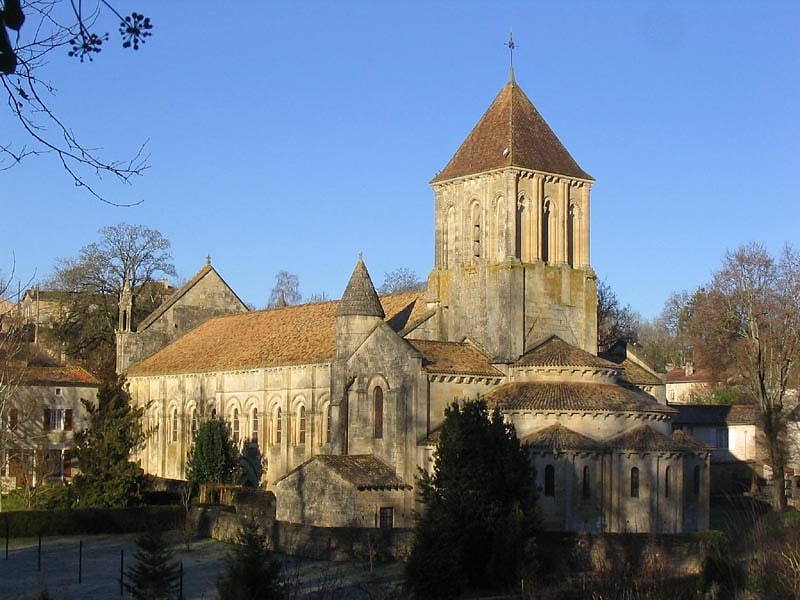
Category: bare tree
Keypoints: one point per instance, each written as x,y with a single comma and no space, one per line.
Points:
127,257
665,340
286,290
30,32
614,321
747,327
13,337
402,279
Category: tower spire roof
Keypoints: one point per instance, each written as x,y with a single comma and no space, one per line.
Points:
360,297
511,133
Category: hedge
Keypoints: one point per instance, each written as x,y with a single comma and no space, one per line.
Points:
87,521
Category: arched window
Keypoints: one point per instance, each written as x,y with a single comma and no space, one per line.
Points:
549,480
254,425
635,482
522,243
476,230
667,477
500,228
449,238
277,426
547,209
174,425
235,425
572,217
328,424
301,425
377,411
697,480
194,423
586,482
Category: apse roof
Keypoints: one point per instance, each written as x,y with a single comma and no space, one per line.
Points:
511,133
558,437
555,352
560,396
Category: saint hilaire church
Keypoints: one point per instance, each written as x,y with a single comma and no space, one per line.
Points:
344,399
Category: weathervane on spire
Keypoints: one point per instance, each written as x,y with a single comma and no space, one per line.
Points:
511,45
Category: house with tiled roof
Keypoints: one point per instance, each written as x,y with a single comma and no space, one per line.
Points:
689,385
41,410
344,399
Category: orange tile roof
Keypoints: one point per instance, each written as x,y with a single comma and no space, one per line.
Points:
679,375
555,352
293,335
557,437
458,358
638,375
365,472
511,133
646,439
66,376
558,396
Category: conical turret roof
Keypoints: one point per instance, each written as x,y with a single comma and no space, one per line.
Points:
360,297
511,133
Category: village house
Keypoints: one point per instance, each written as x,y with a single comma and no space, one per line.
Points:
345,399
42,407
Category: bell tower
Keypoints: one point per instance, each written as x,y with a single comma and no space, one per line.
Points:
511,263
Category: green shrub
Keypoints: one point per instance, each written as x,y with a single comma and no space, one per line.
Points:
90,521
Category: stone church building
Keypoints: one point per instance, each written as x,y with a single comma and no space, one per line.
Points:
344,399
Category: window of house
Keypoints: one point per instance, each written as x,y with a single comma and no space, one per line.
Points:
586,482
667,481
377,409
301,425
549,480
58,391
635,482
174,425
386,517
254,425
722,438
57,419
235,425
9,422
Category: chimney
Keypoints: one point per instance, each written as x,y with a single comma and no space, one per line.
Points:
688,368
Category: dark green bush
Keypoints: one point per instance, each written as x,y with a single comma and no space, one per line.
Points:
90,521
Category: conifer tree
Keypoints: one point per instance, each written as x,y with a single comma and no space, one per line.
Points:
478,521
213,457
251,571
155,574
108,477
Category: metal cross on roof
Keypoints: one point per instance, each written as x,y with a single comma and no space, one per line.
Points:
511,45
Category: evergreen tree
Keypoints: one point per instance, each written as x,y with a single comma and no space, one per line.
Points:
478,521
155,574
251,571
213,457
108,477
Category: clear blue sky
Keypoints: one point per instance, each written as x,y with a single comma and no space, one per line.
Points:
292,135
